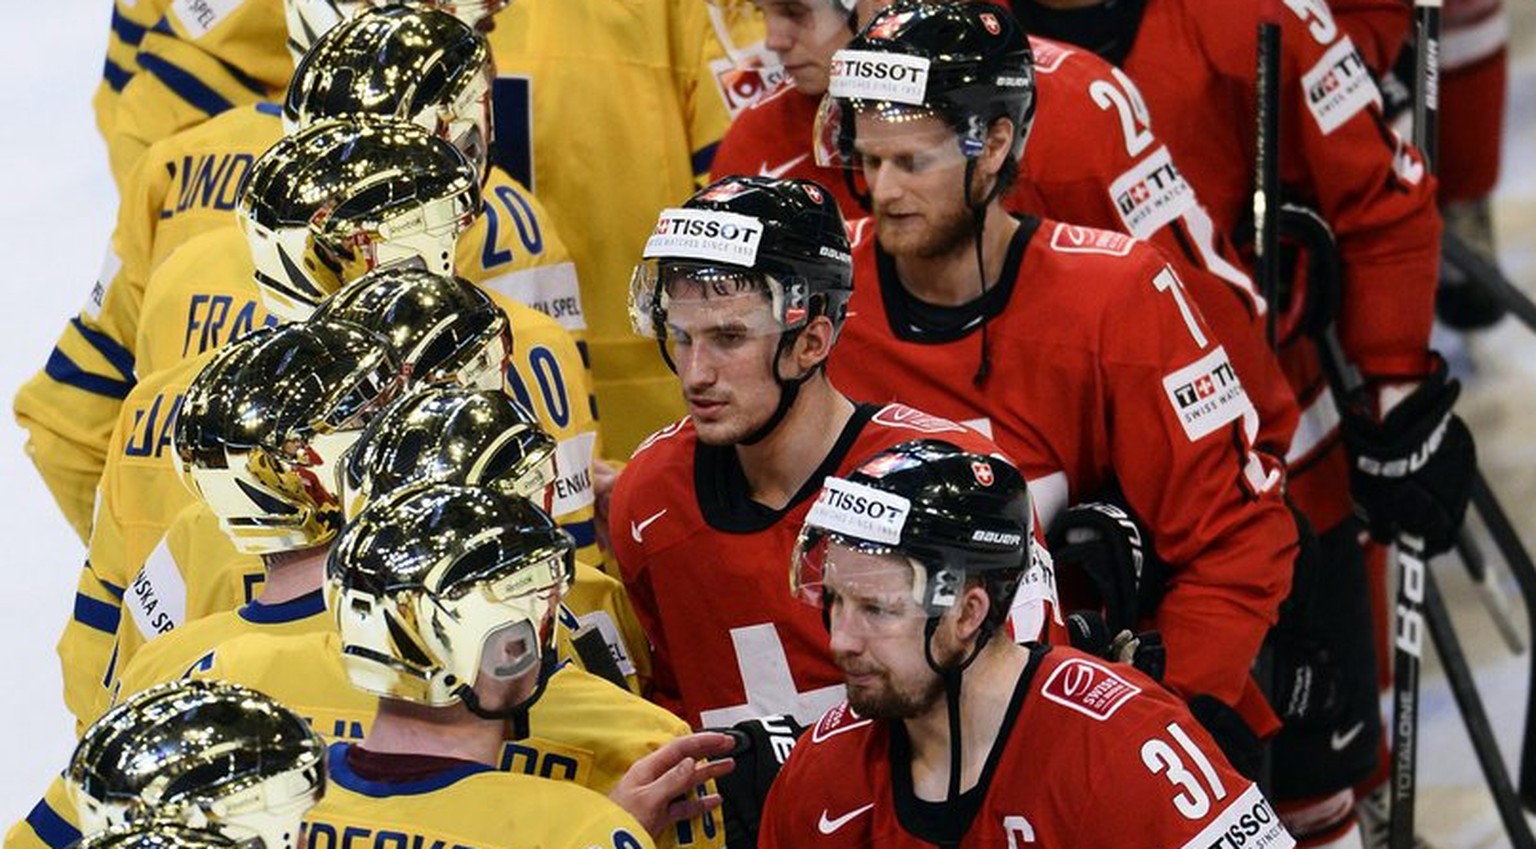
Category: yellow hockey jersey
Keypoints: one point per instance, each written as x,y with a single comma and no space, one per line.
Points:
130,19
53,822
582,729
662,100
669,75
472,806
199,60
187,185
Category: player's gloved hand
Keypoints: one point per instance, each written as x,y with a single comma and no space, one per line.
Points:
1144,650
1231,733
762,746
1308,680
659,789
1411,470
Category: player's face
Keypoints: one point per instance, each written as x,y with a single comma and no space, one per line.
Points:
724,349
804,34
915,173
877,630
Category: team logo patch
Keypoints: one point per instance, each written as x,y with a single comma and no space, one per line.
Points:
860,511
835,721
741,84
1151,194
989,21
707,235
900,415
1088,688
983,472
1048,55
1338,86
1206,394
872,75
1072,239
197,17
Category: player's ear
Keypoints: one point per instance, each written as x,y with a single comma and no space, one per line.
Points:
814,344
971,610
999,145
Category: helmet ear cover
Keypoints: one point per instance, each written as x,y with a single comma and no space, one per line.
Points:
424,581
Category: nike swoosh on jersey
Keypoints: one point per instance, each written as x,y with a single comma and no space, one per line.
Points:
636,530
775,173
1339,741
829,825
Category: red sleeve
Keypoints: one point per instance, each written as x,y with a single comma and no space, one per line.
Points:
1339,155
1379,28
663,688
1180,429
1165,780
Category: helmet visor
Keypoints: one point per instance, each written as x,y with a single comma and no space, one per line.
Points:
870,588
686,303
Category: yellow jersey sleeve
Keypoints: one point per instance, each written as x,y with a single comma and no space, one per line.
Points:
86,648
130,20
51,824
599,600
197,61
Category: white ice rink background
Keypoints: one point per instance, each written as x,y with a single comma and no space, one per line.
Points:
56,209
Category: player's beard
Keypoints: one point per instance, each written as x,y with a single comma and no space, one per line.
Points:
948,233
889,702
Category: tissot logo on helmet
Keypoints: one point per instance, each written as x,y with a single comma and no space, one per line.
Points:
706,235
873,75
859,511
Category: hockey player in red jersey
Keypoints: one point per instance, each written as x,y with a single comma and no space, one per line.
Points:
1076,167
953,737
1194,62
1076,349
746,287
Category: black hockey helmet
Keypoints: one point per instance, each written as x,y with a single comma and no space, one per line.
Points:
969,62
959,514
786,233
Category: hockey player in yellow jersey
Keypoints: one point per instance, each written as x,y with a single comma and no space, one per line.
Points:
141,493
662,75
186,185
202,59
225,758
445,599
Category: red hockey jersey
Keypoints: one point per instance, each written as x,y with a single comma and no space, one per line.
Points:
1089,755
1194,62
708,570
1075,167
1103,374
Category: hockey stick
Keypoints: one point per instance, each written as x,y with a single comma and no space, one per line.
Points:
1266,188
1488,275
1476,718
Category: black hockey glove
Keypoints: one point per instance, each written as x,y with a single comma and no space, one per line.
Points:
1237,741
1413,470
1104,559
762,746
1144,650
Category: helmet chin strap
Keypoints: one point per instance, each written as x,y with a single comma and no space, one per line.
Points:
979,220
951,675
789,390
518,713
